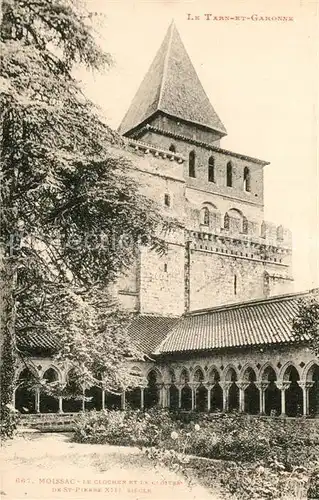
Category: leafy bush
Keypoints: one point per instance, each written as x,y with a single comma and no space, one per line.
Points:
8,422
126,428
227,437
313,485
257,457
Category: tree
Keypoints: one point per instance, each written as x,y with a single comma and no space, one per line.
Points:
306,323
72,217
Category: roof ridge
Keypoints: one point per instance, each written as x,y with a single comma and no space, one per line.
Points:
238,305
165,64
157,350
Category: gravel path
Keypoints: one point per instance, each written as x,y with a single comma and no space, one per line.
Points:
41,466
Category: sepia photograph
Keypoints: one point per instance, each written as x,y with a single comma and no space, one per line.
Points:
159,249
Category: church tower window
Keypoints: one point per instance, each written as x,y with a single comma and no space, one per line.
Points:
191,164
211,169
246,179
229,174
172,148
167,200
205,216
235,284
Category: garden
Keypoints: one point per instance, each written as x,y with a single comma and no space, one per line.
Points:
246,457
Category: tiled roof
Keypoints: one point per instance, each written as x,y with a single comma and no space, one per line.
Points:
172,86
37,340
251,323
256,322
147,332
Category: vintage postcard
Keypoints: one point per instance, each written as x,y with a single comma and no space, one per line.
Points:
159,249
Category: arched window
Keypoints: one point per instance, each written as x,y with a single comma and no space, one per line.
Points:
235,284
191,164
229,175
205,216
172,148
234,220
226,221
211,169
246,179
167,200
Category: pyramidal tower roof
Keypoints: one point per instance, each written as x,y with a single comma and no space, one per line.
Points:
172,86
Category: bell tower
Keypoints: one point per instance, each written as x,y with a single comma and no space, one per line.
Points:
225,252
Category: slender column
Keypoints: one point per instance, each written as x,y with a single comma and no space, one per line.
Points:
283,402
305,395
37,400
193,397
142,398
165,396
60,404
123,401
162,398
179,397
242,386
168,398
208,397
283,387
225,386
103,399
262,386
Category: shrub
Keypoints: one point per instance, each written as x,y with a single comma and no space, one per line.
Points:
9,421
313,485
126,428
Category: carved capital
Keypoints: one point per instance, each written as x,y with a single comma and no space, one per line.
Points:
242,384
283,386
225,385
305,385
262,386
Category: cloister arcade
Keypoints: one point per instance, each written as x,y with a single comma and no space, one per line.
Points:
287,392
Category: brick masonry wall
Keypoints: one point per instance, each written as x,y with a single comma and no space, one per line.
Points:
162,282
170,284
236,192
186,129
212,279
155,283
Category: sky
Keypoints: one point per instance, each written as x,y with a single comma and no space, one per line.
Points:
261,77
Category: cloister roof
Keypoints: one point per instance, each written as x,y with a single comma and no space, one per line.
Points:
256,322
147,332
251,323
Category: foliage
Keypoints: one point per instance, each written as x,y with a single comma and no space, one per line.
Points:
313,485
246,457
126,428
8,422
306,323
72,215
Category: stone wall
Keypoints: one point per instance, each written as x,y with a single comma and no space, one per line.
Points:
162,282
218,188
186,129
234,256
